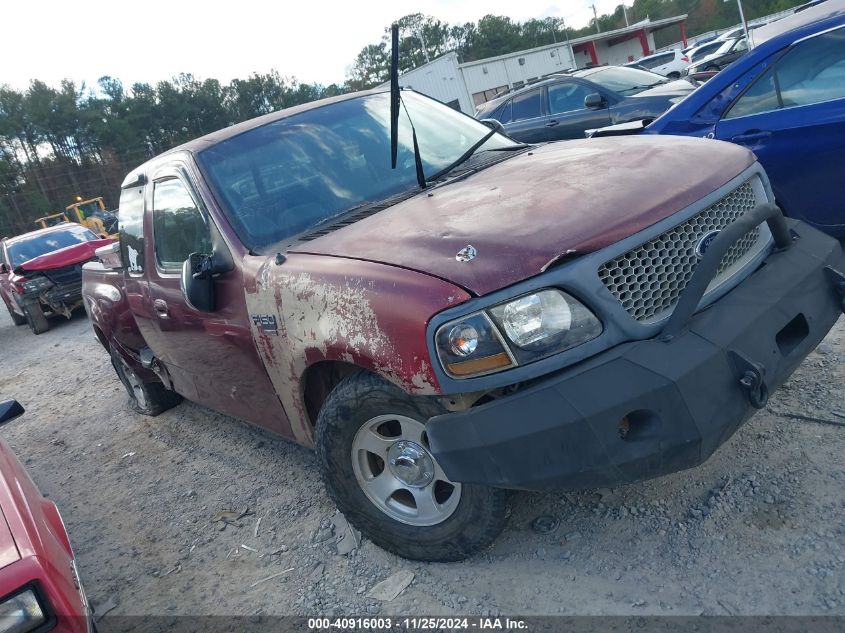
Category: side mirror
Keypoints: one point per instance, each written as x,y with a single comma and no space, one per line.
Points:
9,410
197,281
493,124
594,101
110,255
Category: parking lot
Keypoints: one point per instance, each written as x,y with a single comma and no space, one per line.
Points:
758,529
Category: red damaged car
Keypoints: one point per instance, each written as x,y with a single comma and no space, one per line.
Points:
39,584
488,315
41,272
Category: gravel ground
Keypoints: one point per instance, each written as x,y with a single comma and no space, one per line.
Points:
759,529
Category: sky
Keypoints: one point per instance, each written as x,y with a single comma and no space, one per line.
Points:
312,40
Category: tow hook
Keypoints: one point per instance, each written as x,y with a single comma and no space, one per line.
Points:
752,379
837,278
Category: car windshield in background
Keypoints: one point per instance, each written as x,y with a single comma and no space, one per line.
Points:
284,178
725,48
626,81
21,251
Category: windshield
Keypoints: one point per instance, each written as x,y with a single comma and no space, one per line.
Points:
726,47
23,250
283,178
89,209
626,81
701,51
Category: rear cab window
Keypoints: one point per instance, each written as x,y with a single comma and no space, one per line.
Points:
131,228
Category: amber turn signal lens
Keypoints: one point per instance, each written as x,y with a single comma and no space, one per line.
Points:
480,365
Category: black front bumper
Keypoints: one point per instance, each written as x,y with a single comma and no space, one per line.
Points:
653,407
66,295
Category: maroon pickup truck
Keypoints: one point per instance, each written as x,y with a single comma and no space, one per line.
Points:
488,316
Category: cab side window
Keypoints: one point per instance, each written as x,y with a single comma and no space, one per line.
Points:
813,71
178,225
567,97
503,114
527,106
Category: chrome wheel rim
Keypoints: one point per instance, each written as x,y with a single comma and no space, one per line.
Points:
398,473
134,385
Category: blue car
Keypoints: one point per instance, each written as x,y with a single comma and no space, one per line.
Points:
785,101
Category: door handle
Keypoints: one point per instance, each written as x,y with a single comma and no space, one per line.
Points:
160,306
751,136
552,123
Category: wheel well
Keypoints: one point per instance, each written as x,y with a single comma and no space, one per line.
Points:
320,379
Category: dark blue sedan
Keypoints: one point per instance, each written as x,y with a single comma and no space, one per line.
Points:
785,101
566,106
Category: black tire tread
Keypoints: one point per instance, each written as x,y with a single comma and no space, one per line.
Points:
36,319
17,319
159,398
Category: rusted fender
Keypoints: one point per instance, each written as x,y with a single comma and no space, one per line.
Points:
371,315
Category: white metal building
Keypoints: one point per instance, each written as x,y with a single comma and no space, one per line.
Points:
465,86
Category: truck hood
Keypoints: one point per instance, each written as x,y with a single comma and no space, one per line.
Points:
67,256
521,215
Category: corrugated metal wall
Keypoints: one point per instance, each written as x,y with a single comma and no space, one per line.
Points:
441,79
517,69
468,85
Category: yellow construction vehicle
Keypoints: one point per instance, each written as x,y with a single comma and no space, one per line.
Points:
93,214
89,213
51,220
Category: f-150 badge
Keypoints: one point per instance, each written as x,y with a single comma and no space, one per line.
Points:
266,322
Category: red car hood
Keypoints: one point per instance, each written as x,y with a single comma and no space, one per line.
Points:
8,550
67,256
522,214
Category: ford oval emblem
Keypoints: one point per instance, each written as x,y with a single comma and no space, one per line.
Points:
704,243
467,253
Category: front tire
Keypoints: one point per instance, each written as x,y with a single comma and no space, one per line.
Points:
373,455
36,319
146,398
17,319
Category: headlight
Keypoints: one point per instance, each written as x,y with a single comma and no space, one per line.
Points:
525,329
37,284
472,346
20,613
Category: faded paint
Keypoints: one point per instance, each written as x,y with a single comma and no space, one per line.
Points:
365,314
523,213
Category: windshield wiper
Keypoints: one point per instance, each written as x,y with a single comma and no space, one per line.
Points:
395,102
509,148
462,158
644,87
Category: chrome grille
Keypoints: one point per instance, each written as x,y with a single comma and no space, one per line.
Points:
649,279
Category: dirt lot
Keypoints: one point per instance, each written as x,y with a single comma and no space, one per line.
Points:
759,529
